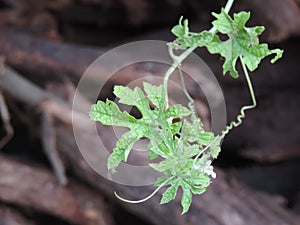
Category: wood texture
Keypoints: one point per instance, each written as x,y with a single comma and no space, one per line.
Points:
40,191
9,216
282,18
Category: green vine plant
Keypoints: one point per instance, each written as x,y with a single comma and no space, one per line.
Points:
186,149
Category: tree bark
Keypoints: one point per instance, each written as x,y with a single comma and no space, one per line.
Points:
9,216
281,18
39,191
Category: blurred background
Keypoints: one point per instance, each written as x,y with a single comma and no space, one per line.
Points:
45,47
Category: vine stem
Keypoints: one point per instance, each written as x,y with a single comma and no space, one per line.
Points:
148,197
191,100
177,60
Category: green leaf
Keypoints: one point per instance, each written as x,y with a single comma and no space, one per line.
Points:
109,114
175,127
158,143
170,193
215,150
134,97
177,111
162,166
190,151
190,131
242,42
186,198
156,94
215,147
214,142
203,38
153,125
190,180
187,39
205,138
198,190
181,30
161,180
122,149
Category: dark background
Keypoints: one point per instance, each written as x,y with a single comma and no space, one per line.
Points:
51,43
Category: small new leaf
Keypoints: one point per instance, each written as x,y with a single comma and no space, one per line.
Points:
187,39
182,29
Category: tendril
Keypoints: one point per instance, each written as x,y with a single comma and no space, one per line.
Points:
146,198
240,117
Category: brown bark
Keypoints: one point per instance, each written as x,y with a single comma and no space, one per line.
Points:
49,58
10,217
281,18
39,191
44,18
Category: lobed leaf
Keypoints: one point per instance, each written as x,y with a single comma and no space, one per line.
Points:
186,199
242,43
121,151
156,94
109,114
190,131
205,138
133,97
177,111
170,193
215,149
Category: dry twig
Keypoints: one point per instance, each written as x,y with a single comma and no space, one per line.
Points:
48,137
6,122
17,86
4,114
